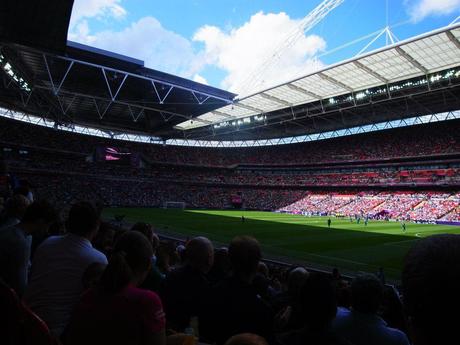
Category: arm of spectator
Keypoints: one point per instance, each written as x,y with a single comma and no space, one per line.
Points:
153,319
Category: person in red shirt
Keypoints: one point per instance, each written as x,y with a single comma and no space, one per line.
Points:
117,311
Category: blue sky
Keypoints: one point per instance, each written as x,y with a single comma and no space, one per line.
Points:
242,45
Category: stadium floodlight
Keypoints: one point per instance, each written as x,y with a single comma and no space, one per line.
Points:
9,70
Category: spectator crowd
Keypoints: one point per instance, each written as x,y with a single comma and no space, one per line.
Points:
85,281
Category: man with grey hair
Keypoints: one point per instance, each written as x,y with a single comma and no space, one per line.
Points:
361,325
187,287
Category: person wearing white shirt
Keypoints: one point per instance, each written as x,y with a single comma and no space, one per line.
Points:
361,325
59,265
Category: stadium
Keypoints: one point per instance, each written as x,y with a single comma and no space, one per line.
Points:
343,169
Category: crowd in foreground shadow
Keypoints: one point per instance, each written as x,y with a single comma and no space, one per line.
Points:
84,281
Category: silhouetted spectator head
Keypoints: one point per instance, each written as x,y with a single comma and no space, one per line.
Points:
83,220
16,206
144,228
39,216
296,279
155,243
366,293
246,339
430,286
317,302
130,262
221,266
104,238
336,273
244,253
199,253
262,269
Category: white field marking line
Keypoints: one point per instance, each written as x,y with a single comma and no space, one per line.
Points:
327,257
395,244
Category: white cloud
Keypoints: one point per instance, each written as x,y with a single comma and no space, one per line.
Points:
237,52
200,79
242,50
424,8
95,8
147,40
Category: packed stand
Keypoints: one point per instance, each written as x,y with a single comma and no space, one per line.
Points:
423,140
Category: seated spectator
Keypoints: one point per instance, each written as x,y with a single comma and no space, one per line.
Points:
155,278
14,211
16,242
288,312
246,339
430,286
392,309
234,306
117,311
59,265
19,325
362,325
104,238
187,287
317,308
221,266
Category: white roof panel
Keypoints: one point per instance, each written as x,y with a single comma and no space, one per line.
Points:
292,95
262,103
319,86
352,76
425,54
390,65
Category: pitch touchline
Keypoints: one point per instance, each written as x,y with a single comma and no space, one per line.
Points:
327,257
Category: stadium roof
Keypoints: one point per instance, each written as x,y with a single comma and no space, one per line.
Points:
419,56
80,88
97,88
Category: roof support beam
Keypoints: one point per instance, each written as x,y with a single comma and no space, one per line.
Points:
334,81
219,113
248,107
275,99
113,95
370,71
138,76
302,90
200,102
57,88
82,95
411,60
162,99
135,116
453,39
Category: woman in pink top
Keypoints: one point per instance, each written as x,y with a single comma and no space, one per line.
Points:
117,312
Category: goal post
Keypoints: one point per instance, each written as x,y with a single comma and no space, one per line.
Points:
174,204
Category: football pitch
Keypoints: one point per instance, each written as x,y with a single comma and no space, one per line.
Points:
347,245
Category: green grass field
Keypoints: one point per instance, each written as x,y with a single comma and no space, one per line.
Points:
351,247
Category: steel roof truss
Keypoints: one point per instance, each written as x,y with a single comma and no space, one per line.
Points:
113,96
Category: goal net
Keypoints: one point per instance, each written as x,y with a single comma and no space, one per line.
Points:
174,204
